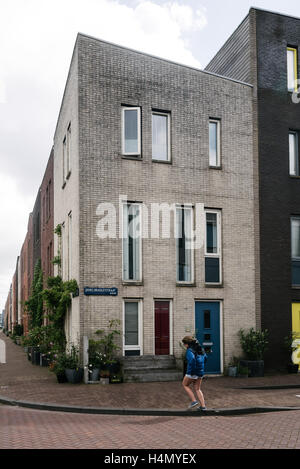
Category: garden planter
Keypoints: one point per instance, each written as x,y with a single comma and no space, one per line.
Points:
94,374
104,380
74,376
292,368
255,368
29,353
61,378
35,357
44,361
232,371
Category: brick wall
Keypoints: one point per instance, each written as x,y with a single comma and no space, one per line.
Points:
109,76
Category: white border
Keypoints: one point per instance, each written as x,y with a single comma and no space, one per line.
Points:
138,346
168,116
138,109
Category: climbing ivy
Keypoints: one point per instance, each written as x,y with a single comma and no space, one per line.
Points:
34,305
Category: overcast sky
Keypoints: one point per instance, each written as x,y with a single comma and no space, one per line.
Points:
36,43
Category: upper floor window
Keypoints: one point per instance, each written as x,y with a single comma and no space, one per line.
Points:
67,155
292,68
184,244
213,247
132,242
293,153
131,131
214,143
295,243
160,136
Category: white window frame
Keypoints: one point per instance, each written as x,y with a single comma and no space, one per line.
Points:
218,122
64,158
296,162
69,245
294,70
69,134
140,239
189,207
138,346
168,116
138,109
217,254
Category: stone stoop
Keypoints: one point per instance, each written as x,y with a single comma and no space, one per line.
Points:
151,368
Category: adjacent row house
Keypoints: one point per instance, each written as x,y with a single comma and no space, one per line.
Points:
177,195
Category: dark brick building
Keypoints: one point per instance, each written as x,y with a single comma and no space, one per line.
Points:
264,51
26,259
46,194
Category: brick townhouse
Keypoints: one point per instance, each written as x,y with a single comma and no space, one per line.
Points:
135,130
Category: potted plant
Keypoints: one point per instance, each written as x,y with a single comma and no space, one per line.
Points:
233,364
58,366
73,370
96,359
110,364
291,345
104,375
254,344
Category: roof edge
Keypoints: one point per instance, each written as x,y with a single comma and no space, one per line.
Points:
163,59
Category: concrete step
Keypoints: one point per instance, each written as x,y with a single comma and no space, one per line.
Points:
152,375
149,361
151,368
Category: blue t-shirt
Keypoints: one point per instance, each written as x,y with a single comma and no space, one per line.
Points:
195,363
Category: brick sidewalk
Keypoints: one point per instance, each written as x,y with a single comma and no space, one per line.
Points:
20,380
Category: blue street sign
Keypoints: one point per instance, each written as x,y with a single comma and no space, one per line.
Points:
101,291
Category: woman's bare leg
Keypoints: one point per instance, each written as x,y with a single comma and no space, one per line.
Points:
186,383
197,387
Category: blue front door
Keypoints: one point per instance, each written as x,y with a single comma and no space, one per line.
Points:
207,322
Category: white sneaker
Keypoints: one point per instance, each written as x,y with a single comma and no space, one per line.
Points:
193,404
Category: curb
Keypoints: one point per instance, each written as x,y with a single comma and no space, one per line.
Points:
143,412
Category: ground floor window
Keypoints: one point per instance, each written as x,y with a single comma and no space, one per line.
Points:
132,327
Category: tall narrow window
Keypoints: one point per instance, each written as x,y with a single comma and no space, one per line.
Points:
68,162
213,248
292,69
160,136
184,244
131,131
132,327
293,153
64,160
132,242
70,245
295,242
214,143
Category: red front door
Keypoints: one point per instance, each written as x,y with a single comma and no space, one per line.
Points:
162,327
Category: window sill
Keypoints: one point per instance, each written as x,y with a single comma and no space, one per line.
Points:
132,157
129,283
292,176
178,284
214,285
162,161
296,287
216,167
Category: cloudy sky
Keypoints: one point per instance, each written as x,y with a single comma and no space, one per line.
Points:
36,44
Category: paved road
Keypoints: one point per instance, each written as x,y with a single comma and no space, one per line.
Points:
25,428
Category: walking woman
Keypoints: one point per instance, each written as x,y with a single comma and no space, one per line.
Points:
196,357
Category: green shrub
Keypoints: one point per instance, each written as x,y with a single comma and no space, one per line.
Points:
254,343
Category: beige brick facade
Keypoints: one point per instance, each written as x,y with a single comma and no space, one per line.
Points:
102,78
